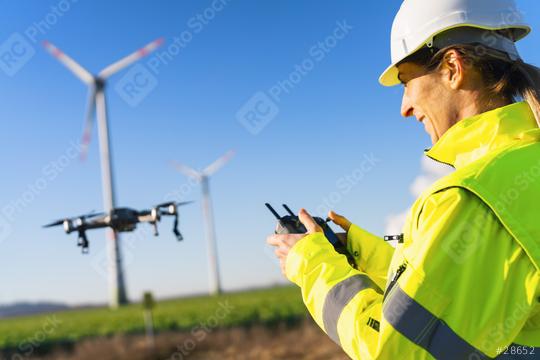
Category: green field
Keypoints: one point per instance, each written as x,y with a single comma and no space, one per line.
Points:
267,307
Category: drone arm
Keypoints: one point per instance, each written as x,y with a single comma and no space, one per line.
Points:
150,216
97,223
145,217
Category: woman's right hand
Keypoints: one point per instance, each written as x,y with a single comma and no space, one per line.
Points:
343,223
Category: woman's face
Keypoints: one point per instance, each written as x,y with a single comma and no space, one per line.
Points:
428,98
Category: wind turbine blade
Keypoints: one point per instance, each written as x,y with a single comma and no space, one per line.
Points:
68,62
186,170
169,203
130,59
219,163
88,123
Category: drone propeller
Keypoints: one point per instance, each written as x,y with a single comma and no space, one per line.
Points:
85,216
91,214
171,207
167,204
55,223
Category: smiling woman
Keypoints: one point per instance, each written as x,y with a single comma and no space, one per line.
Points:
464,280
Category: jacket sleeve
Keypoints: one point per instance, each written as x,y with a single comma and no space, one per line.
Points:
466,291
371,253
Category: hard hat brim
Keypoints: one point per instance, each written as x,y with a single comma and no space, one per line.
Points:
389,77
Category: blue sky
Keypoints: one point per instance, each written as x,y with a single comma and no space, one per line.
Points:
333,138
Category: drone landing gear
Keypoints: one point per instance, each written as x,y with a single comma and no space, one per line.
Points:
83,242
176,232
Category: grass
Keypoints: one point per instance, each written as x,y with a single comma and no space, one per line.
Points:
267,307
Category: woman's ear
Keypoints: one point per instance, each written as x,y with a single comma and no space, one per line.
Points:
454,70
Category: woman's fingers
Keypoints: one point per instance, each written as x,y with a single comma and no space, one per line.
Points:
281,252
339,220
274,240
309,223
284,242
281,240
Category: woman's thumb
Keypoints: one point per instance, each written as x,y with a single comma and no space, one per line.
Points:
340,220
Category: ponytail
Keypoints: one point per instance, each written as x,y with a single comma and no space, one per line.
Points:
526,83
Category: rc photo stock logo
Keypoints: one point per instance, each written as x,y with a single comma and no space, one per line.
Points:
258,112
262,107
15,52
136,85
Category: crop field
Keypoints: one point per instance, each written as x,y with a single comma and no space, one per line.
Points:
268,308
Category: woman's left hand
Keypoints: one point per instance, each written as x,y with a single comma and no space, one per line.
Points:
283,243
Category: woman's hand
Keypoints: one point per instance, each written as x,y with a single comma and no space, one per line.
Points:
343,223
283,243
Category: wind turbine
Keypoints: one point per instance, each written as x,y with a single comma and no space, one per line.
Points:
203,177
97,104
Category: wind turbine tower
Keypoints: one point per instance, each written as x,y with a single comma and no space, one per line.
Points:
203,177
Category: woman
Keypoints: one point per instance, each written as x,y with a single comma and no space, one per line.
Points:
464,280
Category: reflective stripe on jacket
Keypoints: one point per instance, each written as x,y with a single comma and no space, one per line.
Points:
464,283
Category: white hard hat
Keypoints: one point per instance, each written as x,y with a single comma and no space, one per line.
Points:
422,23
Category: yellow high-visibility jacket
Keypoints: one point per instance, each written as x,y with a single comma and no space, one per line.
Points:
464,281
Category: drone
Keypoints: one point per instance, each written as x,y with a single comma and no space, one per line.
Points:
120,220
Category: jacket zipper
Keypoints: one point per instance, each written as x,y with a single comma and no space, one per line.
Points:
400,270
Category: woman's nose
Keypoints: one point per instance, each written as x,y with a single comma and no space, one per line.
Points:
406,106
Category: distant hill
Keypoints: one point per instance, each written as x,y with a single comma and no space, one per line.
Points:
24,308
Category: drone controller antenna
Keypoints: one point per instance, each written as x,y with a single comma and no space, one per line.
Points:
288,210
273,211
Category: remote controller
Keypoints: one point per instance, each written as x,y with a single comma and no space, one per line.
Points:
290,224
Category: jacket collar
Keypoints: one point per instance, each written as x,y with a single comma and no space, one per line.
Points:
474,137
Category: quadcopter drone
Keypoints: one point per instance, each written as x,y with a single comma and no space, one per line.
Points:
121,220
